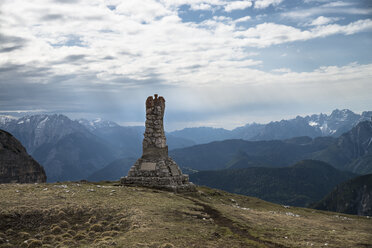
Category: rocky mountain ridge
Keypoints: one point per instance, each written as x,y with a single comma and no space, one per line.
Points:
352,151
66,149
16,166
316,125
335,124
73,150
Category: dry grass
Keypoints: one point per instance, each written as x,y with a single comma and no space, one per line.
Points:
87,215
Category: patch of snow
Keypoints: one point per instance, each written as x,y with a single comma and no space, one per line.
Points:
6,118
20,122
324,128
40,127
313,123
43,121
370,141
97,120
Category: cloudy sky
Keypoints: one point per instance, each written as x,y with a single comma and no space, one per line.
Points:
217,63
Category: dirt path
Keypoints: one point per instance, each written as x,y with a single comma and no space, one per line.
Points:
223,221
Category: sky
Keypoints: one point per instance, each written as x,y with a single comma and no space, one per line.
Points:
217,63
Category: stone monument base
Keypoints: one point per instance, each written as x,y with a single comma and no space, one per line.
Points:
158,172
172,183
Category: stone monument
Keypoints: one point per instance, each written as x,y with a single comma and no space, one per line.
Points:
155,168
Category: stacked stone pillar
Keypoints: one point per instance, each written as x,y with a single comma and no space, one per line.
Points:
155,168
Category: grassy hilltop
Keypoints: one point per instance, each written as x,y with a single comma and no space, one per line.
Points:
105,215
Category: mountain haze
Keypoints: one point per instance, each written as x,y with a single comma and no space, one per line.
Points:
113,171
66,149
73,150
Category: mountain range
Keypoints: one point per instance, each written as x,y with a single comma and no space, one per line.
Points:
66,149
351,151
75,149
317,125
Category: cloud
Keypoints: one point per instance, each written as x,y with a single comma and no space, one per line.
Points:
10,49
282,70
262,4
201,6
9,43
321,20
338,4
326,9
243,19
112,58
72,58
236,5
142,11
52,17
267,34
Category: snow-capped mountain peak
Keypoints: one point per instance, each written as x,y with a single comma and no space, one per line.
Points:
96,123
6,118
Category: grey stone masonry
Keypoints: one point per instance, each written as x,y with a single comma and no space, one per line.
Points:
155,168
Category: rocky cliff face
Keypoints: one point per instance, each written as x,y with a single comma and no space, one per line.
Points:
16,166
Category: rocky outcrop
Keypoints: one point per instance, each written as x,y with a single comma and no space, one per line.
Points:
155,168
16,166
351,197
